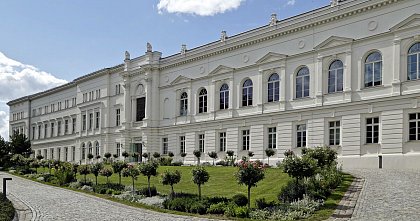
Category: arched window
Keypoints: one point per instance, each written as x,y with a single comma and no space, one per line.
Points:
90,149
247,93
335,77
413,60
202,101
183,109
302,83
224,97
273,88
97,153
373,69
83,151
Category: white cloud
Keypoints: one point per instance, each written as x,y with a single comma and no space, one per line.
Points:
198,7
291,2
18,80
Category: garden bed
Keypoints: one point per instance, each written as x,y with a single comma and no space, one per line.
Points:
7,211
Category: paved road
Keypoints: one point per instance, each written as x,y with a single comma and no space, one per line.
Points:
53,203
388,195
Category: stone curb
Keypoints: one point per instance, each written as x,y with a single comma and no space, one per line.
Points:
23,211
346,207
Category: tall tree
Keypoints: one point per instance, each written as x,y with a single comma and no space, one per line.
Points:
20,144
4,152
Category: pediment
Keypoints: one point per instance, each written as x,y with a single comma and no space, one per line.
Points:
412,21
180,79
270,57
221,69
333,41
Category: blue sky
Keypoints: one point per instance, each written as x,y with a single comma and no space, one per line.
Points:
45,43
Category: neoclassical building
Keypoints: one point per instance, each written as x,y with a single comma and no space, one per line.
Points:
346,75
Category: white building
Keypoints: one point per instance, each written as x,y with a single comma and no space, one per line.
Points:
345,75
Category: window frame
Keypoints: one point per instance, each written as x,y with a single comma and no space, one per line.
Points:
224,93
202,101
301,135
183,104
337,131
372,64
274,82
247,93
246,139
222,141
272,137
305,77
182,147
335,72
201,142
417,55
372,126
165,146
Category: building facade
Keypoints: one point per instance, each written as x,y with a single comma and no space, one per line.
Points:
345,75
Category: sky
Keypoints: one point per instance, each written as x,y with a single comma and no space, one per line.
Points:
47,43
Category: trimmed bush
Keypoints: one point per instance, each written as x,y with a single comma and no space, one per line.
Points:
178,163
262,203
292,191
145,191
240,199
218,208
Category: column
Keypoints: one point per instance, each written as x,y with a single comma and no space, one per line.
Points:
282,88
396,80
318,80
347,77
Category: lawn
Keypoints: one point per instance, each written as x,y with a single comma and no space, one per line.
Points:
222,182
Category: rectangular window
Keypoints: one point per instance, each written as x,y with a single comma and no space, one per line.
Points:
301,135
98,118
141,109
73,129
59,153
66,126
118,117
334,131
39,132
90,121
73,154
414,125
118,149
59,105
33,133
66,154
165,145
272,137
372,130
245,140
222,141
52,130
58,128
34,112
182,144
84,122
52,154
201,142
52,107
46,130
83,152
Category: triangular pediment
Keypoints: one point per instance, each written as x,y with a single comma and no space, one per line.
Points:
412,21
180,79
333,41
221,69
270,57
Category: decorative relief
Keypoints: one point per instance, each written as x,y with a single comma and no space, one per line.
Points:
301,44
140,89
245,58
201,70
372,25
166,78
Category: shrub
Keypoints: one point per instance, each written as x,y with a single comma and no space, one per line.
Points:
218,208
197,155
156,155
200,176
165,161
222,163
7,211
324,156
96,168
145,191
262,203
170,154
115,156
146,155
187,204
250,154
103,188
107,156
249,174
240,200
178,163
230,158
299,167
183,155
125,154
171,178
213,155
84,170
242,212
293,191
75,185
230,210
64,174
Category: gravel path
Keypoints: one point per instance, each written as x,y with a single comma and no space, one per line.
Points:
388,195
53,203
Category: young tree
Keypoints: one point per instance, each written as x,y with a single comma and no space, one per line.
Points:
107,156
34,164
250,154
249,174
39,157
213,155
4,152
149,169
96,169
125,154
183,155
171,178
299,167
269,152
132,172
135,155
115,156
97,158
118,166
107,172
197,154
156,155
84,170
170,154
90,157
230,154
20,144
146,156
200,176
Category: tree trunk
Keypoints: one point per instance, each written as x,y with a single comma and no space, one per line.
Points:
268,161
213,162
198,160
119,174
249,196
148,185
199,191
96,180
133,186
85,178
173,192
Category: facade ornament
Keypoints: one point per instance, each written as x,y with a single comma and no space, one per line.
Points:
127,55
223,36
183,49
334,3
149,47
273,20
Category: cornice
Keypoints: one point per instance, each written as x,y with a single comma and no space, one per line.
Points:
177,60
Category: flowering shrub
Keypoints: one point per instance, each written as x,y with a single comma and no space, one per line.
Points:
131,171
249,174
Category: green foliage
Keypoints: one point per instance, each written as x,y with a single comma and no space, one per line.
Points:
107,156
133,172
240,200
39,157
218,208
294,190
197,155
187,204
118,166
64,174
104,188
96,169
242,212
200,176
299,167
106,172
230,159
149,169
230,153
146,191
7,211
20,144
262,203
213,155
4,153
249,174
146,155
289,153
170,154
324,156
183,155
125,154
90,156
178,163
115,155
269,153
84,170
250,154
156,155
165,161
171,178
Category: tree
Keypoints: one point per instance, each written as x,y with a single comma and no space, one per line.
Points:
250,154
249,174
146,156
324,156
98,157
149,169
230,154
197,154
213,155
133,172
115,156
20,144
269,152
135,155
156,155
84,170
107,172
96,169
200,176
34,164
299,167
171,178
125,154
183,155
170,154
107,156
4,152
39,157
118,166
90,157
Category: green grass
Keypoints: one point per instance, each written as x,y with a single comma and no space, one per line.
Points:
222,182
7,212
